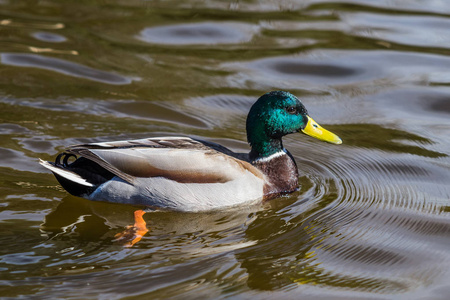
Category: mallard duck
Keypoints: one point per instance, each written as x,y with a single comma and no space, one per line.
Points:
186,174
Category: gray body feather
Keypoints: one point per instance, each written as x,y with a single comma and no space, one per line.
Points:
175,173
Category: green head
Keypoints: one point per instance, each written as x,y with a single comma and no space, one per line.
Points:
276,114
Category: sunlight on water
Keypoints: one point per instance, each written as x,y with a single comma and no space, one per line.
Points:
371,219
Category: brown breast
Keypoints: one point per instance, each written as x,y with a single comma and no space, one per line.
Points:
281,173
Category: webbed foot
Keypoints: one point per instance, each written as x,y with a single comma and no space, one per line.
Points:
133,233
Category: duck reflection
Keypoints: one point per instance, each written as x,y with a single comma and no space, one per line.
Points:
258,237
91,220
282,243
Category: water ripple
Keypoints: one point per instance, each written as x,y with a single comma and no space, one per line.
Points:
374,214
62,66
49,37
207,33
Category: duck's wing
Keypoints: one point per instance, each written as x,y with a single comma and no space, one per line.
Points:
180,159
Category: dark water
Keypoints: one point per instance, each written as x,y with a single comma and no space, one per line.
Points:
371,220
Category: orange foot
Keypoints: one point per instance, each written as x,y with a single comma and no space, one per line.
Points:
133,234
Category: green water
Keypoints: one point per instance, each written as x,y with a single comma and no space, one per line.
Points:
371,220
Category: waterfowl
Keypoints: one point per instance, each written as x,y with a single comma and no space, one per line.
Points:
186,174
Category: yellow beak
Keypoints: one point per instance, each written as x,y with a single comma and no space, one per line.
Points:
315,130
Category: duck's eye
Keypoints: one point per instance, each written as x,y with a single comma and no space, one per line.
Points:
291,109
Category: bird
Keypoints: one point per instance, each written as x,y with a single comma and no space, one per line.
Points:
193,175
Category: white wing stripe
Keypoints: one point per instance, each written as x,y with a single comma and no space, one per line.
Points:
66,174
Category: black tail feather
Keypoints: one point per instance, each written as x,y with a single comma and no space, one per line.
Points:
87,169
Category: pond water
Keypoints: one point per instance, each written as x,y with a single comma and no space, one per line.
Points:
371,220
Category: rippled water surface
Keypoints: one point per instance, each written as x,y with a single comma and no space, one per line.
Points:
371,220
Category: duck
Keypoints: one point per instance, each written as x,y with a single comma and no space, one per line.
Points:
193,175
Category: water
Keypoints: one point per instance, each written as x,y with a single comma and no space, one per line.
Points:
371,220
